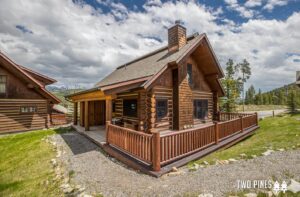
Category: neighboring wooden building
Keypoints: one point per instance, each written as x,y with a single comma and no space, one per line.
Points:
171,92
25,104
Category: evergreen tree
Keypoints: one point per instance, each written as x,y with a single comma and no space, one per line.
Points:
292,102
244,71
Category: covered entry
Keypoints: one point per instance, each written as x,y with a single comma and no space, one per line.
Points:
95,113
91,108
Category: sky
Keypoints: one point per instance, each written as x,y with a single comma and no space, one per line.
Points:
81,41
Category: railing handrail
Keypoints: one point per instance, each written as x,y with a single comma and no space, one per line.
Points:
186,130
131,130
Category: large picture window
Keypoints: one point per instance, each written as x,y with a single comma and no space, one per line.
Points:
3,79
161,108
130,107
200,109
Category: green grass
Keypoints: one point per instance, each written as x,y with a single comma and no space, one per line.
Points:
25,168
260,107
274,133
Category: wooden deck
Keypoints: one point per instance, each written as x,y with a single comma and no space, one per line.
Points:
157,153
96,133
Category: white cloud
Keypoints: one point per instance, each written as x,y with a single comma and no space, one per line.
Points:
243,11
253,3
78,45
271,4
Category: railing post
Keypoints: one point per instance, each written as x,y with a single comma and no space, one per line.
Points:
219,116
156,151
216,132
256,118
107,131
242,124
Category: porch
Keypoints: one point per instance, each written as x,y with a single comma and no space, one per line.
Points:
157,153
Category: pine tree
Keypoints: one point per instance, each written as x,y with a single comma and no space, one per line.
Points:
292,102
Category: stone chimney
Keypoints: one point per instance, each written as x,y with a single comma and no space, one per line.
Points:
176,37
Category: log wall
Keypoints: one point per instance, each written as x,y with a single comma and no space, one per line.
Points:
11,118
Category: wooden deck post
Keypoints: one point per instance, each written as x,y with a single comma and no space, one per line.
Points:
216,132
256,118
75,116
108,109
86,116
107,131
156,151
242,124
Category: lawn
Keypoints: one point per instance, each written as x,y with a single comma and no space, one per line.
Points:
25,168
274,133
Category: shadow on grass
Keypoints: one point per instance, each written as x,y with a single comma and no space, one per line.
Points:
76,142
12,186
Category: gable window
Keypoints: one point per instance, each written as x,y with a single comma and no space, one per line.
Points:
130,107
161,108
28,109
200,109
190,73
3,79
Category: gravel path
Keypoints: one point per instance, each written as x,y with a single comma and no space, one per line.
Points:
101,174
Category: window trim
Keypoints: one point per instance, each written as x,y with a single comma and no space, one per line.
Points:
28,106
5,84
190,77
207,110
156,108
137,108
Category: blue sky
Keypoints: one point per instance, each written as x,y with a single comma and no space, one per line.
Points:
78,42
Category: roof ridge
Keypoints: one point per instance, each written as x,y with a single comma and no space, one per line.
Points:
194,35
37,73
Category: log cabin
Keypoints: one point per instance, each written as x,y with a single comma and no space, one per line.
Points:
162,106
25,104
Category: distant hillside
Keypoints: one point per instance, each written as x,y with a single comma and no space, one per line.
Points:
60,92
280,96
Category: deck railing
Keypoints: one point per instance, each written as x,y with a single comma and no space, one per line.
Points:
179,144
135,143
157,150
225,116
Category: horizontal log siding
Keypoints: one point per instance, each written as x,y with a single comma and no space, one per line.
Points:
137,144
166,122
59,119
182,143
205,96
11,118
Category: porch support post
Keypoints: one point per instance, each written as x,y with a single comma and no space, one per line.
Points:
256,118
242,124
215,105
156,151
86,116
108,109
216,132
75,115
107,131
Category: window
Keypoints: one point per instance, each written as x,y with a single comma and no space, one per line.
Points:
130,107
200,109
28,109
161,108
3,80
190,74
